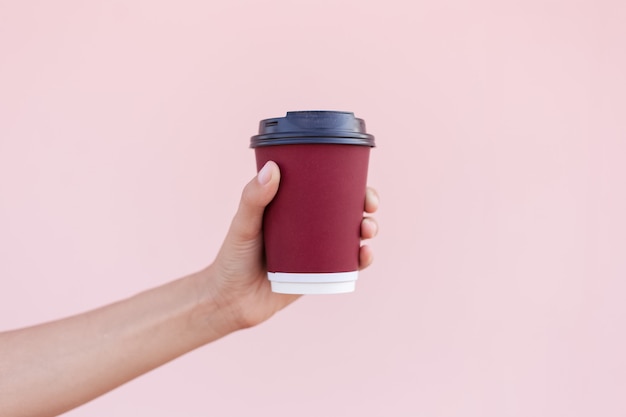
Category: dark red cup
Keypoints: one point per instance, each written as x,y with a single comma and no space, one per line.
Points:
312,227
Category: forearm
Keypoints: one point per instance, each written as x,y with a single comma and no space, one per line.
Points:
53,367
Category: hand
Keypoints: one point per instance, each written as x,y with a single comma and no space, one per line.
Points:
239,276
91,353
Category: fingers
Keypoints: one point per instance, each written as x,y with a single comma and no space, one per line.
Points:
371,200
366,256
255,196
369,228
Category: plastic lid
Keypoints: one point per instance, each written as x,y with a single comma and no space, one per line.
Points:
317,126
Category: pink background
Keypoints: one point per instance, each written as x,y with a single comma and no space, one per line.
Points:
499,283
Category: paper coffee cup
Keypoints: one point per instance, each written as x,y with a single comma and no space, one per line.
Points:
312,227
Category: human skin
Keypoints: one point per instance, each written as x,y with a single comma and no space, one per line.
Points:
53,367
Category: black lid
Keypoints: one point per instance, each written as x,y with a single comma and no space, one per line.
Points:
317,126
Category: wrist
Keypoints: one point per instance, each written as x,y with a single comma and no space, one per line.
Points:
214,313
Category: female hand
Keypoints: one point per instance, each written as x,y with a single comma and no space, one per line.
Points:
238,276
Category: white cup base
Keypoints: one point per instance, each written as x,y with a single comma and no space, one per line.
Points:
302,283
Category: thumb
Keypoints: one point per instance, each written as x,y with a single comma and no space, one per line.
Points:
256,195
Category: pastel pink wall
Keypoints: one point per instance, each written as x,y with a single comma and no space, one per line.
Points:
499,284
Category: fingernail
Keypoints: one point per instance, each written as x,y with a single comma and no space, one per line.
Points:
373,195
376,198
265,174
372,225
